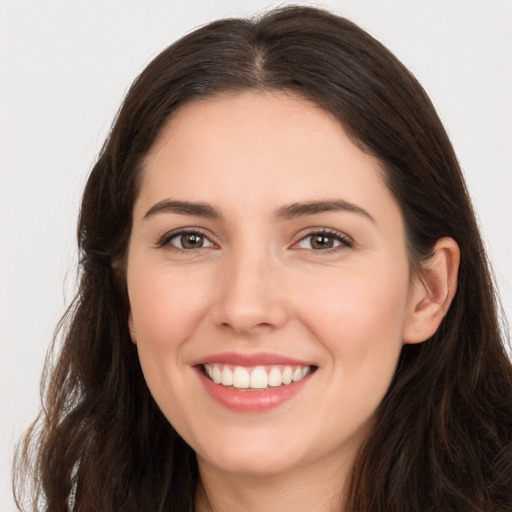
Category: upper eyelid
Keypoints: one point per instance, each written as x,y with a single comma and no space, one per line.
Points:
324,231
166,237
304,233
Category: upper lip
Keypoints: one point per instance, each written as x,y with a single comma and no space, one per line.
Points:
257,359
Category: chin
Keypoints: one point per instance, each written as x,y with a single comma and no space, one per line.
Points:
259,465
254,455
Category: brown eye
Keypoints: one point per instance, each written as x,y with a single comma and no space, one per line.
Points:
190,241
324,241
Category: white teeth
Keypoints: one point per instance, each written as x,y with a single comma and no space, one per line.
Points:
275,377
260,377
227,377
297,374
217,375
287,375
241,377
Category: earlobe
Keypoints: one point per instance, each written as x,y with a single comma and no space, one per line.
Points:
433,290
131,327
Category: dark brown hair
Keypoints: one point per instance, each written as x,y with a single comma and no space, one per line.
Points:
442,437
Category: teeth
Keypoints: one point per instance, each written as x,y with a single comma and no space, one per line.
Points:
260,377
227,377
297,374
287,375
241,377
275,377
217,375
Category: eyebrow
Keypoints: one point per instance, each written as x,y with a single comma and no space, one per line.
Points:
183,208
287,212
294,210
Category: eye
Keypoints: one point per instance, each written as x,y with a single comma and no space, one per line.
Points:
324,241
186,240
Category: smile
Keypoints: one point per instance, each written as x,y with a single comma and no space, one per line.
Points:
253,383
255,378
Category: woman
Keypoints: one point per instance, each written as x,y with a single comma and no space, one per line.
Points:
284,299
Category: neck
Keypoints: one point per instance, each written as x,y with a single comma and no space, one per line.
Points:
303,489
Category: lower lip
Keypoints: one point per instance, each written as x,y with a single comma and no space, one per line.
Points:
252,400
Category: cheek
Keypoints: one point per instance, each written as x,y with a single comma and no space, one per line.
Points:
359,317
359,323
166,306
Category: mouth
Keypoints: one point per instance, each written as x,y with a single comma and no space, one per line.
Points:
255,378
253,383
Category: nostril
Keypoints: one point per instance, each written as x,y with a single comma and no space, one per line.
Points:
240,326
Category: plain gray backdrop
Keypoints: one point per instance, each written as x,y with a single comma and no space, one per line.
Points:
64,68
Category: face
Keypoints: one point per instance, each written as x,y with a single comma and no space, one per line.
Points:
268,282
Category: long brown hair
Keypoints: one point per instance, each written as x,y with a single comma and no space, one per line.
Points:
442,437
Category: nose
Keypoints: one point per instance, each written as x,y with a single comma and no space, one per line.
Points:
250,299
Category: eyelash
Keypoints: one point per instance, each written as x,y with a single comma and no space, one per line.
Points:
166,239
344,241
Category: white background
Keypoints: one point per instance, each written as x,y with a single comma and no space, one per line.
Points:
64,68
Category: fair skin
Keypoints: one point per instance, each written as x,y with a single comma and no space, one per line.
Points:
261,271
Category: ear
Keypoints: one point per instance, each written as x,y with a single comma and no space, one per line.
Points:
432,292
131,327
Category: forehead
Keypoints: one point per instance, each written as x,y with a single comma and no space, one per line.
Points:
252,147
